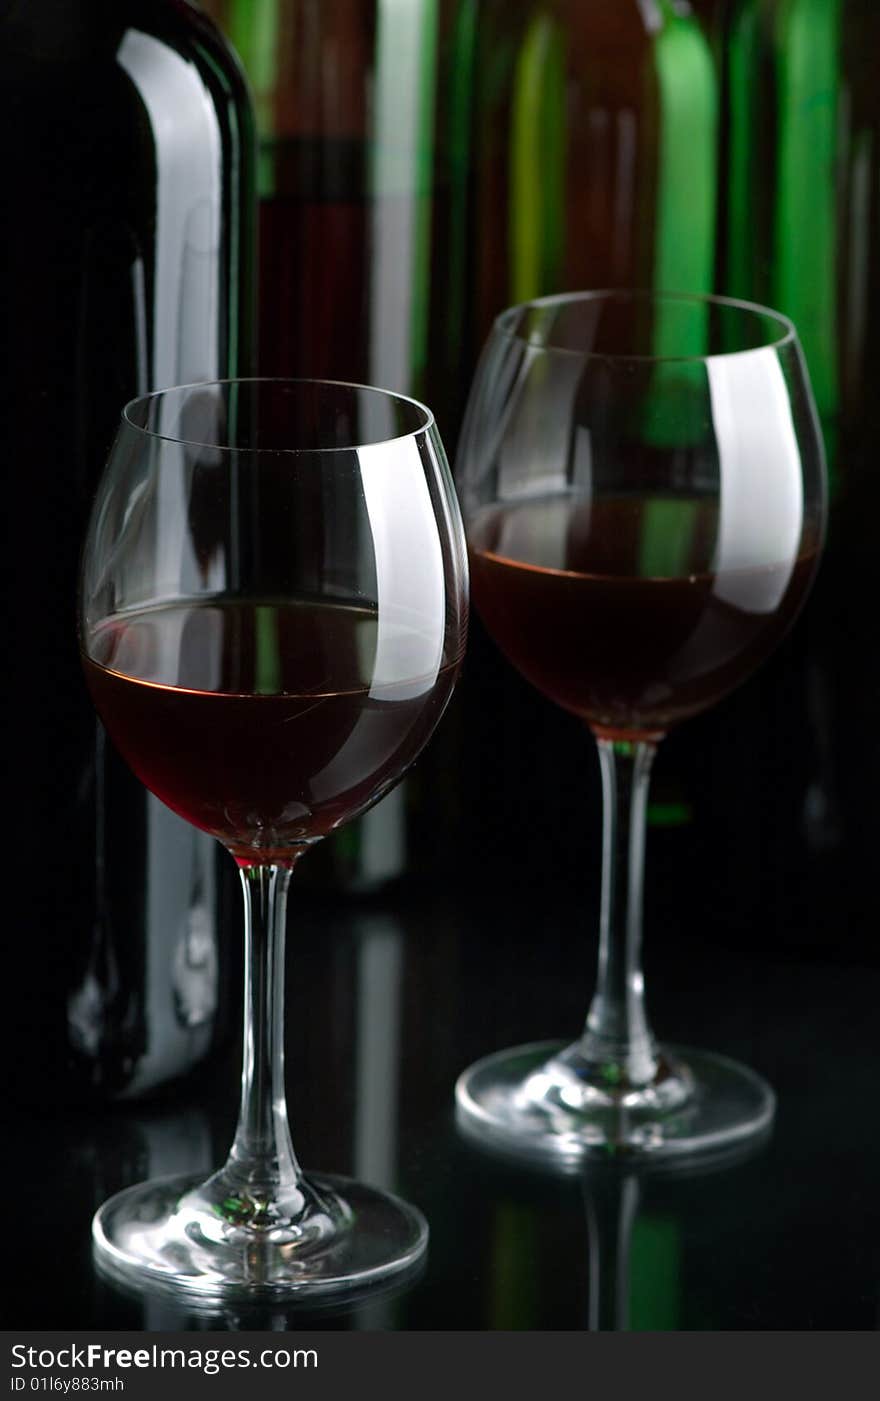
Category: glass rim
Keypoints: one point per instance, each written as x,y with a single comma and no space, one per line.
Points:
502,323
388,394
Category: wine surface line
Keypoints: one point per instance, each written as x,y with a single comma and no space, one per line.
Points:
632,612
268,724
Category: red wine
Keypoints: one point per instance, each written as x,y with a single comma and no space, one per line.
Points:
267,724
614,608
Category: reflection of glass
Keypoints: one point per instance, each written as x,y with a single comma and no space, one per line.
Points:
643,528
633,1266
380,956
273,614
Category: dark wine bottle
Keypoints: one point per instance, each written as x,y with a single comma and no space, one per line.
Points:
128,159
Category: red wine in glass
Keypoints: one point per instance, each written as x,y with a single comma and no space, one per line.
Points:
618,610
643,487
273,611
266,723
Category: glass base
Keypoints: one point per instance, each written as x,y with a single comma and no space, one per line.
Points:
531,1102
349,1236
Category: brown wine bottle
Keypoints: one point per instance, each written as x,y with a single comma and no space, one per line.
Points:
597,132
354,171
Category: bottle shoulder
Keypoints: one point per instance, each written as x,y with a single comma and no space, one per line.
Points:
66,46
183,26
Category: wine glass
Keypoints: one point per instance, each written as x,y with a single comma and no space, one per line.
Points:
643,486
273,613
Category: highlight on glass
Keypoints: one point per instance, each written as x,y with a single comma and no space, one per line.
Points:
273,613
643,485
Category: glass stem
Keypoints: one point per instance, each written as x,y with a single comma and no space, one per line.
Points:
262,1154
617,1040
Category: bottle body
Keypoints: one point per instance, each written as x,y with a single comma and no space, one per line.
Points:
595,147
800,233
597,157
351,274
128,142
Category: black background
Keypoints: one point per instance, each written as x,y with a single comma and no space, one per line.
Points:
762,914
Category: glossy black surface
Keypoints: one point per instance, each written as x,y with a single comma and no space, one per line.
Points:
388,1001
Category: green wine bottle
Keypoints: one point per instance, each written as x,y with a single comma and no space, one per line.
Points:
595,151
801,230
598,132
